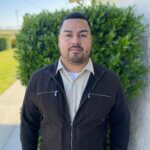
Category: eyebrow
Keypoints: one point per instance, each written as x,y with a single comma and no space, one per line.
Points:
84,31
79,31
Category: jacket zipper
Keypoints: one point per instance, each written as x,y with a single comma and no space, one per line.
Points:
55,93
101,95
71,122
71,133
88,95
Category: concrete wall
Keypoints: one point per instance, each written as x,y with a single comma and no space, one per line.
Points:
140,108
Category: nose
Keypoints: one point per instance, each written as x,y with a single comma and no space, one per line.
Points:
75,40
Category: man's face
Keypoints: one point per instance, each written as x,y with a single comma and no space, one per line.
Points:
75,41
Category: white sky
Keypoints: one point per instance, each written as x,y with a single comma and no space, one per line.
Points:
12,11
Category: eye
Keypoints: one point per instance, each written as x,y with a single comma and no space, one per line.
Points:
83,35
68,35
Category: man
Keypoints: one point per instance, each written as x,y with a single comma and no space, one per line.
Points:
73,101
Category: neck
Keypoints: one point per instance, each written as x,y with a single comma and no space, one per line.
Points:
74,67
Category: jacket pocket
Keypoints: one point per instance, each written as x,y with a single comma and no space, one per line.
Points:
97,107
49,104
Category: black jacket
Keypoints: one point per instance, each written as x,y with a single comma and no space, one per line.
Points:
102,104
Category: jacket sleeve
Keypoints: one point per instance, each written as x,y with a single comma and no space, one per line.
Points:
30,121
119,123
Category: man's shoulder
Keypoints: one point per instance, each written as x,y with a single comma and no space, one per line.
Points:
107,73
49,70
101,68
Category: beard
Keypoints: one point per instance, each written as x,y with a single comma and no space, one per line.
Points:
77,58
76,55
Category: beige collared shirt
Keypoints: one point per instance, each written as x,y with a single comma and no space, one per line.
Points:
74,84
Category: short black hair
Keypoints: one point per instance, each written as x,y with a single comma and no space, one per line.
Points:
74,15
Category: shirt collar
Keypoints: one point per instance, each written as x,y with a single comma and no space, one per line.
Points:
89,67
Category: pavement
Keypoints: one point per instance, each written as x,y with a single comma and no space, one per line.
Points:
10,107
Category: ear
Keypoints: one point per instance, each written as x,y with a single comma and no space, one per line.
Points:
92,39
59,40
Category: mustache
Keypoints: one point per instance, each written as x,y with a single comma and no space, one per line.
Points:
76,46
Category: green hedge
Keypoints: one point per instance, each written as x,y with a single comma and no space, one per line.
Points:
3,44
116,43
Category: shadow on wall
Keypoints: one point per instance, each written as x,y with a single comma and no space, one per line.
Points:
10,137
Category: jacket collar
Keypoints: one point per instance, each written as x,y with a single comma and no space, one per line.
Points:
93,79
98,70
88,67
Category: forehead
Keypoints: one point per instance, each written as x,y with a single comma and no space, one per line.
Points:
75,25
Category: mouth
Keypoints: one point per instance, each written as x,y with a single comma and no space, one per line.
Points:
76,49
